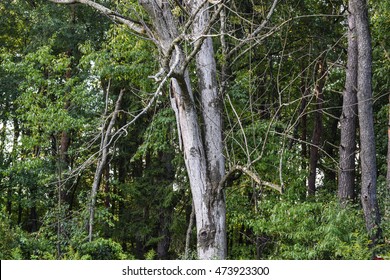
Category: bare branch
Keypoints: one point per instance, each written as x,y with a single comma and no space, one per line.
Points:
249,173
133,25
257,30
246,151
199,41
123,129
181,7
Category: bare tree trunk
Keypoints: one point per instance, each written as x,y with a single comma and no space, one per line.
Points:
206,199
203,158
214,220
366,121
348,119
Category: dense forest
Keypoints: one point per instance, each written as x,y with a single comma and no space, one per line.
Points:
194,129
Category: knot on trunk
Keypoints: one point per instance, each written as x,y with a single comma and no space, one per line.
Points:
206,236
194,152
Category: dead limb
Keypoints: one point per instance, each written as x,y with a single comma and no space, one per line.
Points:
231,175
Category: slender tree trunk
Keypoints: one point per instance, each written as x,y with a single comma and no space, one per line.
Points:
348,119
317,132
366,120
104,149
107,200
303,121
188,234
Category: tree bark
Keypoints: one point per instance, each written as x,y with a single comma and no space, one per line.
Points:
366,120
209,204
317,132
303,124
212,122
348,119
202,153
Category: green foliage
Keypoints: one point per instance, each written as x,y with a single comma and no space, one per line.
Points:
101,249
122,58
160,135
150,255
17,244
285,229
9,241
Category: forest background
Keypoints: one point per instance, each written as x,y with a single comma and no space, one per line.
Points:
96,100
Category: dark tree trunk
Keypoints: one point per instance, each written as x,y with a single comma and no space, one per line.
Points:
164,233
32,223
348,119
317,132
366,119
330,173
303,123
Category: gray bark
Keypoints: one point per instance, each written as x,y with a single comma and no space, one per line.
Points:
348,119
203,155
366,121
212,122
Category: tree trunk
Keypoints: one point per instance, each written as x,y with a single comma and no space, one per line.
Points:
303,124
317,132
209,205
348,119
203,158
212,121
104,150
366,121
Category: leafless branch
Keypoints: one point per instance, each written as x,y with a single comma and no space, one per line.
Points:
199,41
256,31
251,174
133,25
